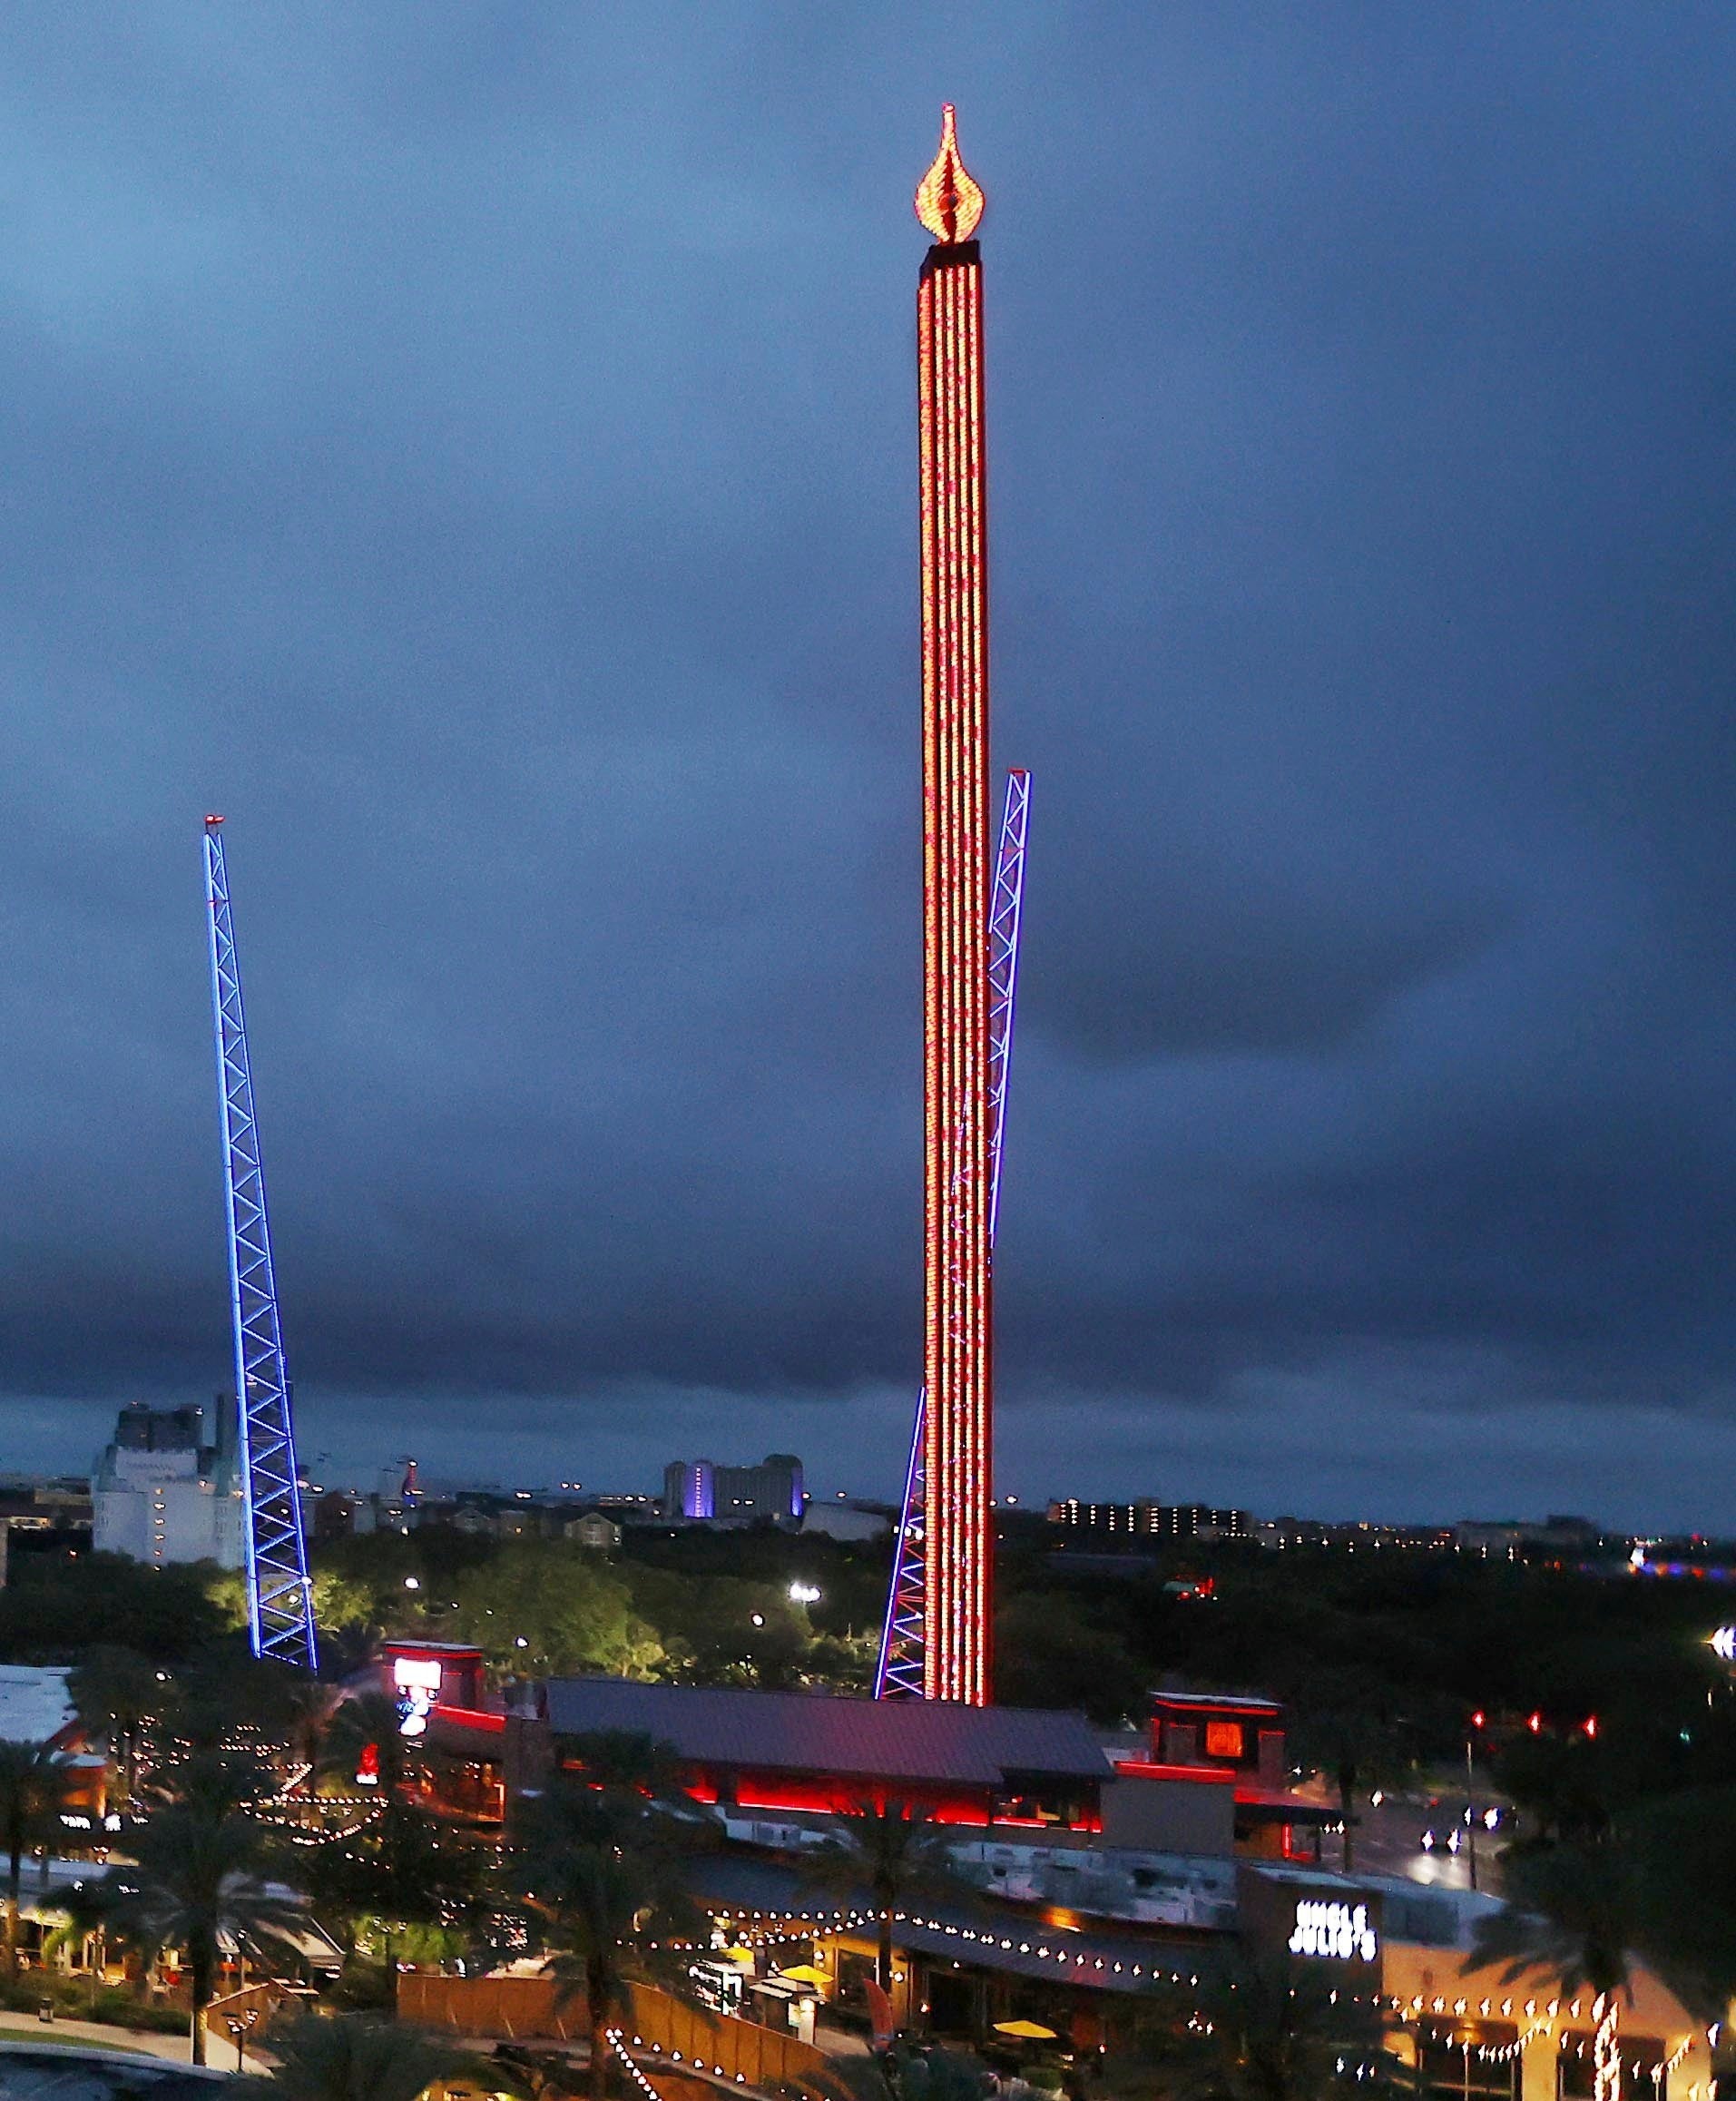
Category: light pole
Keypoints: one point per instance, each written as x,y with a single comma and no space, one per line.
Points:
240,2027
1470,1799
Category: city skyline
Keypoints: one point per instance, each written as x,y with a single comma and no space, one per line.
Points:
436,454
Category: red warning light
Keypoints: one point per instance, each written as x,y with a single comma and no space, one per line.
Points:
1533,1722
1591,1725
1476,1718
212,821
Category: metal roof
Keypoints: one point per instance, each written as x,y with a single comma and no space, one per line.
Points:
976,1933
34,1703
930,1742
1219,1703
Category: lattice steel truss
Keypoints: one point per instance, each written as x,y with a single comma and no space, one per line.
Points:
899,1673
1006,902
279,1601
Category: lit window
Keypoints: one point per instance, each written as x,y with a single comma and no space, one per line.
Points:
1223,1739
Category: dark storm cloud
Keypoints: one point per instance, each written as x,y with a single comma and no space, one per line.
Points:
471,446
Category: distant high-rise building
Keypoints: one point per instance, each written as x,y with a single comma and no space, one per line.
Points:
161,1429
701,1491
1152,1521
162,1494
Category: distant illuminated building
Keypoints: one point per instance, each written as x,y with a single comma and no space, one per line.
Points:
1152,1521
702,1492
160,1494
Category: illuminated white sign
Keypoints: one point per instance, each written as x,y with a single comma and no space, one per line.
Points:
420,1673
1339,1931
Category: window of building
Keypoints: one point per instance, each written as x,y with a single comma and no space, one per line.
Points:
1468,2061
1223,1740
1644,2077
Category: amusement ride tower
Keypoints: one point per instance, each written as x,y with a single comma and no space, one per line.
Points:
280,1598
958,1336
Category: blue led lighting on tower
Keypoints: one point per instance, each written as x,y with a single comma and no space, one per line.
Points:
899,1673
278,1600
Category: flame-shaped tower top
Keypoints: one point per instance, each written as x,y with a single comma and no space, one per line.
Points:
948,203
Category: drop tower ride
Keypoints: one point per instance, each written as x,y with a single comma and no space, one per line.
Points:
959,1329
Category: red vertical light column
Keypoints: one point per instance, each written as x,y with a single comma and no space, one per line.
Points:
958,1333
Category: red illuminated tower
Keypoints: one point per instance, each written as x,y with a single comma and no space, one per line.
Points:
958,1348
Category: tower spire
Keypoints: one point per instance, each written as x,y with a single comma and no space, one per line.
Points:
948,203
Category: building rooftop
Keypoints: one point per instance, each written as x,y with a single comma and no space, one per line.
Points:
1219,1703
930,1742
34,1704
971,1931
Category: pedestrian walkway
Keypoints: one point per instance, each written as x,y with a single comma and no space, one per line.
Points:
95,2035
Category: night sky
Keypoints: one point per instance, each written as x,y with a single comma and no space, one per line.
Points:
473,446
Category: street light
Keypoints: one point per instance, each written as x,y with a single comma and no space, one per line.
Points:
804,1594
240,2027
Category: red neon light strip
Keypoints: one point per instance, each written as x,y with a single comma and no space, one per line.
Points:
1142,1769
471,1718
1209,1710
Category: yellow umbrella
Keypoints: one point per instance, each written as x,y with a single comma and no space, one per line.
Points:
805,1973
1026,2031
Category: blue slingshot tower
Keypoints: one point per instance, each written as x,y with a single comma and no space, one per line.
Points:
279,1601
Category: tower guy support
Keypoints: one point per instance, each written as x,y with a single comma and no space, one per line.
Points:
279,1601
901,1672
959,1340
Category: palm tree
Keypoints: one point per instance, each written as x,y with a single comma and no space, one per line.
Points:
1346,1726
1260,2030
605,1893
628,1788
590,1930
1572,1910
308,1710
1682,1849
359,2057
34,1782
401,1872
225,1698
117,1694
197,1879
892,1851
363,1722
630,1768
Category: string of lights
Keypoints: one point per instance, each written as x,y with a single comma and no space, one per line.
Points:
693,2063
632,2069
778,1928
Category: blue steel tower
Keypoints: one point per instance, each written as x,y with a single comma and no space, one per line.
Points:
279,1602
